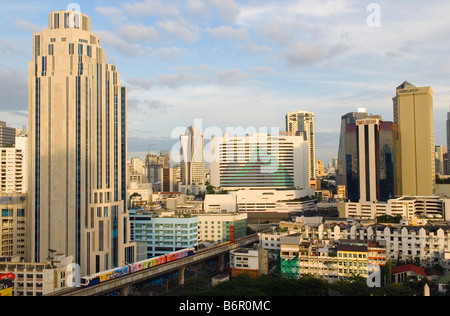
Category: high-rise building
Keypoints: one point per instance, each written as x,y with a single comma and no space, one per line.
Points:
260,161
344,147
77,148
440,152
413,112
156,166
376,146
302,123
13,167
7,135
447,168
369,145
13,224
192,164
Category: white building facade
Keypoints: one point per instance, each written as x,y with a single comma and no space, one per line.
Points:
259,161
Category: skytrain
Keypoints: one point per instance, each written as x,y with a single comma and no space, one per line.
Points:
116,273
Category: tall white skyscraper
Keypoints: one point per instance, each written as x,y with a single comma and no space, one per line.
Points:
77,148
192,164
448,142
302,123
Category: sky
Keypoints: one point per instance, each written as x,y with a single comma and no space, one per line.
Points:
247,63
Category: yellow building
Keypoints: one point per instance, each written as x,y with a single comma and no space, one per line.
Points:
415,158
352,260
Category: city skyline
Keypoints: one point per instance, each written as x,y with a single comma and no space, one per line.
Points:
259,91
188,60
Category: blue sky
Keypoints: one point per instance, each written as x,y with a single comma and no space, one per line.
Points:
246,63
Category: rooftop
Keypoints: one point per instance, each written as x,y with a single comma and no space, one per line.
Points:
409,268
352,248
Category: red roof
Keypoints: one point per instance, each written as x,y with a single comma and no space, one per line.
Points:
409,268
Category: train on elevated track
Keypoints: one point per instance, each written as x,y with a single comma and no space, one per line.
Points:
116,273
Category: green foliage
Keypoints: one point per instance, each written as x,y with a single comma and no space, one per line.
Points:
269,285
442,181
389,219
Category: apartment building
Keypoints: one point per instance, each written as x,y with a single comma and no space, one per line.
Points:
430,207
14,166
38,279
163,234
352,260
7,135
252,261
218,228
326,259
13,238
271,241
428,243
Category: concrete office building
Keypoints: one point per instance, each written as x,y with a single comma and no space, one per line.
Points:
302,123
369,146
413,112
440,159
260,161
13,224
14,166
376,147
192,164
219,228
344,146
7,135
77,148
448,143
431,207
163,234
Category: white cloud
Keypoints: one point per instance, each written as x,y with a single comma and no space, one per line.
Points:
139,33
28,26
293,10
201,75
169,54
180,29
229,33
302,54
266,70
198,7
152,7
110,12
227,9
123,47
231,77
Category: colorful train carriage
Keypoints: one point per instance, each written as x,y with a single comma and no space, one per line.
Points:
106,276
180,254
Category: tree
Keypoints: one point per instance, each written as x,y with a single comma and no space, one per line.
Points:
210,190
